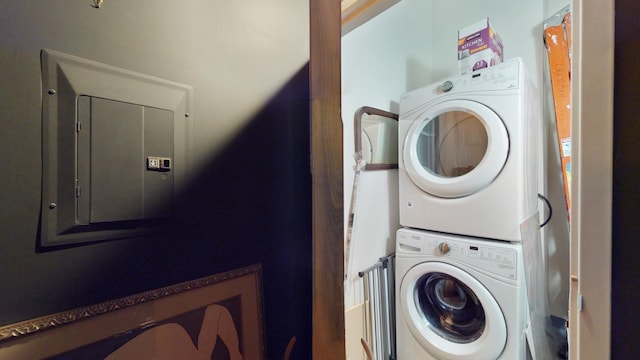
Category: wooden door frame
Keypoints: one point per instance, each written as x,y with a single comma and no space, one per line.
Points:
327,179
592,70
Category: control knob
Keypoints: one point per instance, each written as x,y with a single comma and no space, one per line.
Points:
445,86
443,248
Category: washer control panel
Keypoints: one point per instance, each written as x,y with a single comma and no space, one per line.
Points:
489,256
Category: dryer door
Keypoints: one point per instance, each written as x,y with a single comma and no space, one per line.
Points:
455,149
451,314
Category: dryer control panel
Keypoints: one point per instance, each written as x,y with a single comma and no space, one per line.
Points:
508,77
500,77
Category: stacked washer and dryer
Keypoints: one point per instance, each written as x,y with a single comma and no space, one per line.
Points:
468,180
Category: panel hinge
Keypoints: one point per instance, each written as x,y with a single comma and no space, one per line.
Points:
77,189
78,127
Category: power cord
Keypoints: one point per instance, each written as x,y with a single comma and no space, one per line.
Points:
546,201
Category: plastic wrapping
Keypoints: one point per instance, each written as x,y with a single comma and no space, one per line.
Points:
535,279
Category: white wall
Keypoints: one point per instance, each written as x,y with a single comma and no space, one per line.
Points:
414,43
377,59
553,6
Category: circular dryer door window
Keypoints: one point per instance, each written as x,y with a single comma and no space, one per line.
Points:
451,313
455,149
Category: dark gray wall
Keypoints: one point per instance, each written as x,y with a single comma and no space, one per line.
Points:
625,312
248,197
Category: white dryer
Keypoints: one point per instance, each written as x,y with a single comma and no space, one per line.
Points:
458,298
468,153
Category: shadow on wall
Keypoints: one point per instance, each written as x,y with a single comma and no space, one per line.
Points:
252,204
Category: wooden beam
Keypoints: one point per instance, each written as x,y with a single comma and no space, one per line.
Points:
326,168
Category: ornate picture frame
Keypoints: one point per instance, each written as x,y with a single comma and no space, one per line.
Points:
220,315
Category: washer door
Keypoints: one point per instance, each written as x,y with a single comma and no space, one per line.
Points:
456,148
451,314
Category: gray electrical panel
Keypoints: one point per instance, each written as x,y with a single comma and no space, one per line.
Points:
115,147
114,140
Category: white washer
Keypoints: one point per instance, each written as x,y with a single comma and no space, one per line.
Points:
459,298
468,153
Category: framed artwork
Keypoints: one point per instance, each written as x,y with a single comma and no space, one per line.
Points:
218,317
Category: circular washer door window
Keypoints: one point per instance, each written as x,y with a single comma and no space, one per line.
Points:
451,314
456,148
